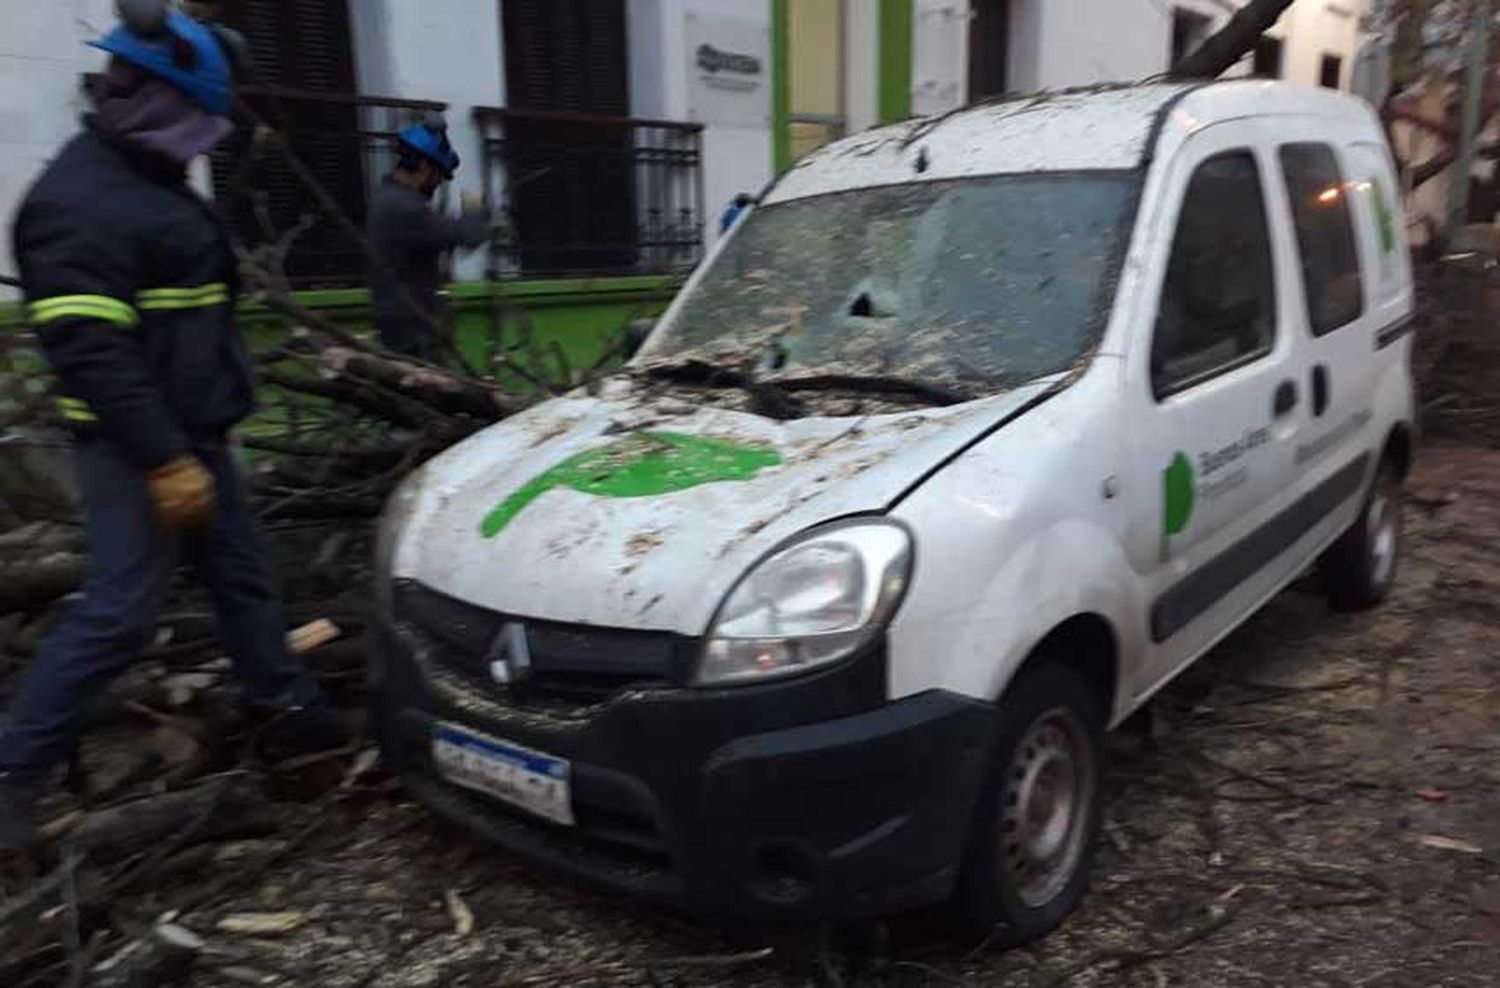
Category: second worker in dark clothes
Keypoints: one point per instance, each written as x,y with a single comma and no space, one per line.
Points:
410,238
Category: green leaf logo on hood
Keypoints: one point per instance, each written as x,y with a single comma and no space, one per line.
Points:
642,464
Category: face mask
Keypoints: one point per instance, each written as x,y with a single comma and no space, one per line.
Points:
158,119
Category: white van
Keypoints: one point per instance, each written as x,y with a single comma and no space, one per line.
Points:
971,436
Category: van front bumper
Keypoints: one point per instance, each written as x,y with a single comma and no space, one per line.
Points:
807,798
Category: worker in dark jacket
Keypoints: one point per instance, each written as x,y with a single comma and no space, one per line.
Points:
410,238
130,285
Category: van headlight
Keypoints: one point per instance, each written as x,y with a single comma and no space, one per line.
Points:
393,519
812,602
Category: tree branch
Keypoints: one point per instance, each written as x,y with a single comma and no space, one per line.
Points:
1230,43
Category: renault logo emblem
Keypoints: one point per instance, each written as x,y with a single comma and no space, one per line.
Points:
510,655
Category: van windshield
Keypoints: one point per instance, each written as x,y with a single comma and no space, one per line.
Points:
974,284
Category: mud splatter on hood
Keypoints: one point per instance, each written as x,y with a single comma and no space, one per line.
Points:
637,514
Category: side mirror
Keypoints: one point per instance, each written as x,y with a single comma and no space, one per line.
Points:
734,209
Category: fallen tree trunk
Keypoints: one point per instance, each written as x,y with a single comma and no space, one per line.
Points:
440,389
30,582
1230,43
394,409
218,808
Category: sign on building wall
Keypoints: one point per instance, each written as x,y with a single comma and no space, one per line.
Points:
729,71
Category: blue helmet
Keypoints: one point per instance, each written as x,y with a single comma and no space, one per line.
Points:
180,51
431,142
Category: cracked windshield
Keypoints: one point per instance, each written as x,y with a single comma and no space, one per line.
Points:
977,285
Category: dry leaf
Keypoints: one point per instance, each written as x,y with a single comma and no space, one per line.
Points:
262,924
463,916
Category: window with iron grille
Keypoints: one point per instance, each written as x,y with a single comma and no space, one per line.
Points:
572,198
302,82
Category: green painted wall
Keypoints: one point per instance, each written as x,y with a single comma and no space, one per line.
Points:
781,90
576,321
895,60
578,317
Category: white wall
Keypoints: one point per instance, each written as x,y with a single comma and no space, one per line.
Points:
1318,27
42,56
940,56
861,65
735,158
1060,43
1024,59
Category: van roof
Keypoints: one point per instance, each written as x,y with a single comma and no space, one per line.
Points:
1101,127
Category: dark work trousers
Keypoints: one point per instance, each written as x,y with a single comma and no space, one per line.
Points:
131,559
410,338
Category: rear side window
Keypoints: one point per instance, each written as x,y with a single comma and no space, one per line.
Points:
1218,301
1325,234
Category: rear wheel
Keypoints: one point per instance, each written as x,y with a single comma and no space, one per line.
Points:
1360,568
1032,838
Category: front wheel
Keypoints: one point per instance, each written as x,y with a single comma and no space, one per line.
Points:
1033,834
1360,568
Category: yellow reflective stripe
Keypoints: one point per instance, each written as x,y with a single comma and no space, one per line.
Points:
75,409
208,289
185,303
216,293
82,307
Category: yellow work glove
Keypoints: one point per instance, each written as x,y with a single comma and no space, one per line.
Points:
183,490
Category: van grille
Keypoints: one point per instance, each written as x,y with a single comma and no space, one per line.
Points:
569,662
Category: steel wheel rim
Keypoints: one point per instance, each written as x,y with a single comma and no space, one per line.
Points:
1045,806
1383,538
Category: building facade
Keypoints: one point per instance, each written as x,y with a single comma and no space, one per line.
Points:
612,132
968,49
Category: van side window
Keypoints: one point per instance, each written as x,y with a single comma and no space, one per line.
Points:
1218,301
1325,234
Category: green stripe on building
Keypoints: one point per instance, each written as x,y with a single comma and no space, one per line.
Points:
895,60
781,89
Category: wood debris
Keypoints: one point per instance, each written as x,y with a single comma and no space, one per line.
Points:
261,924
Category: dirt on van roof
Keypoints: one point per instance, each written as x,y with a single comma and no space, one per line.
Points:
1317,802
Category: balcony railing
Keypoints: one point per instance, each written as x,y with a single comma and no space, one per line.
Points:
347,143
589,194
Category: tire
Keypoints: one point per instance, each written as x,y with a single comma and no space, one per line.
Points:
1020,882
1360,568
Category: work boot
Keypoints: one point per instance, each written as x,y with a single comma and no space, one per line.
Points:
17,831
298,731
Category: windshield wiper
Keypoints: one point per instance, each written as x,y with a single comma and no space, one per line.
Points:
772,397
766,397
874,384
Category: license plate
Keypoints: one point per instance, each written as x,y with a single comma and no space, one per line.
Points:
528,779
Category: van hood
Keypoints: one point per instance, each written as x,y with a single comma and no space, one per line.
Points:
643,515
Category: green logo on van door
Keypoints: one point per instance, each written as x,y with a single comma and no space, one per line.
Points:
642,464
1177,494
1386,218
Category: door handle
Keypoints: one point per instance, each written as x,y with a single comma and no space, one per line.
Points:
1286,398
1320,389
